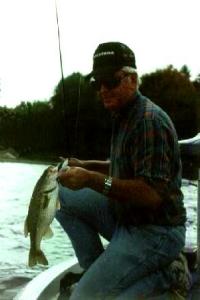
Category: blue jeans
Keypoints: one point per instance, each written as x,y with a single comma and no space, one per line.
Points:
133,264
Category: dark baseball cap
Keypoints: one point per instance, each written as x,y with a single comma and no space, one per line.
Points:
110,57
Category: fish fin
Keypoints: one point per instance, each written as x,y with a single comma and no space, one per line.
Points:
48,234
41,258
26,228
46,201
37,257
32,261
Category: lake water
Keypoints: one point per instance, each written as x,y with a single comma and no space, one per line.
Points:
17,181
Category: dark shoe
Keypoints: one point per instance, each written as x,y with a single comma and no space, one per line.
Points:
66,284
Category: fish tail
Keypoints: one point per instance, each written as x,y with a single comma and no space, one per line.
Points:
37,257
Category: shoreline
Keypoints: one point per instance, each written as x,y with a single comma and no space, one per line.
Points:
28,161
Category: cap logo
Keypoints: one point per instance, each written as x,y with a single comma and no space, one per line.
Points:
104,53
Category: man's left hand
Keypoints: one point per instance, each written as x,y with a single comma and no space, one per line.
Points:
74,178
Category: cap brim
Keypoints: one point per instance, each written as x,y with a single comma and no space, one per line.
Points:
103,72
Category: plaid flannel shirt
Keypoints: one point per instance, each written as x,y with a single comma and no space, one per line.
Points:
144,144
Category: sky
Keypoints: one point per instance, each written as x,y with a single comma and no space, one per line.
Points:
160,32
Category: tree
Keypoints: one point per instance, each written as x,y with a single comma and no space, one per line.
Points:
86,123
185,71
175,93
196,84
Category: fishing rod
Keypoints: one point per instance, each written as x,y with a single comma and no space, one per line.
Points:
77,116
66,123
60,53
63,97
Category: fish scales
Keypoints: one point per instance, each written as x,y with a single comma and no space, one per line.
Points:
41,212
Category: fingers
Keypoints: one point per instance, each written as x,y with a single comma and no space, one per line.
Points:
62,158
74,177
67,179
64,164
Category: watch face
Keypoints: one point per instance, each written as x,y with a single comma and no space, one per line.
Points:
107,185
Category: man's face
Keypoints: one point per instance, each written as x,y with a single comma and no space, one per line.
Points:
115,96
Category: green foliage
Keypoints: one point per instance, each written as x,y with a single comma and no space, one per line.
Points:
185,71
175,93
196,84
83,118
27,128
74,123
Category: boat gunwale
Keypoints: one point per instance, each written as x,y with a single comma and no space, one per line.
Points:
40,285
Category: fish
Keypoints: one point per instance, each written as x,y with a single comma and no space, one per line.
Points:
42,208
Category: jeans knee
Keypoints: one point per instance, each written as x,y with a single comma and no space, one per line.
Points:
65,197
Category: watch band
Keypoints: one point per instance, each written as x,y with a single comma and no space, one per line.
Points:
107,185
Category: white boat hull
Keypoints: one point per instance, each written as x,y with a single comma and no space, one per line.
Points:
46,285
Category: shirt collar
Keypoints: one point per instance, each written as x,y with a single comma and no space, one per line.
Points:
124,111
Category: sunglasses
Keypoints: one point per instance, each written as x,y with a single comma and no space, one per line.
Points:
109,82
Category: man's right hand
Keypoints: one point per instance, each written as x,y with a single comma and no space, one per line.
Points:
75,162
92,165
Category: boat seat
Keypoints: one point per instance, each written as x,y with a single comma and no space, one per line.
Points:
190,155
191,147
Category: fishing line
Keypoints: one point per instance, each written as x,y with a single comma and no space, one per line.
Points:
77,114
66,124
63,97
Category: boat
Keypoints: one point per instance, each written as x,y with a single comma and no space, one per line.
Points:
46,285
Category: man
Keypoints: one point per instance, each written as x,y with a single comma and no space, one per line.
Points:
133,200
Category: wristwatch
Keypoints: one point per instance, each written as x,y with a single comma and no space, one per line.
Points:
107,185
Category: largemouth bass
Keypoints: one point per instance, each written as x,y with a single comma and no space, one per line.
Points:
41,212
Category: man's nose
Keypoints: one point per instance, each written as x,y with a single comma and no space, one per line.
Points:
103,88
